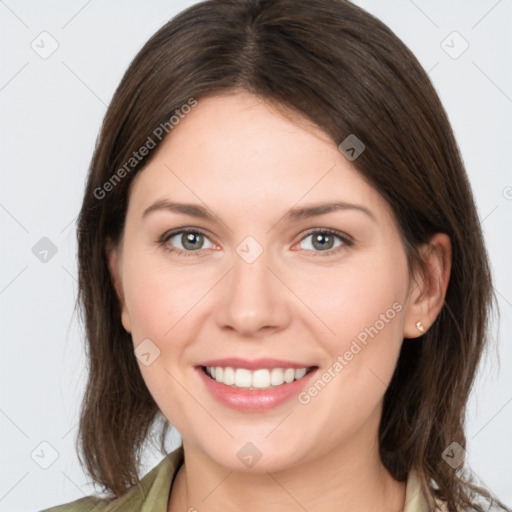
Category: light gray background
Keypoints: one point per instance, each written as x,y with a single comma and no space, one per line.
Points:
51,111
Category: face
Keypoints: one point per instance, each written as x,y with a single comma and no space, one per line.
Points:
258,282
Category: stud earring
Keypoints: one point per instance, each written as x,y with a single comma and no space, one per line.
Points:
420,327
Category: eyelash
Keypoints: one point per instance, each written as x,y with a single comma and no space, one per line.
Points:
347,241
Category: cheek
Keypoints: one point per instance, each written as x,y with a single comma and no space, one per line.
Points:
365,311
159,295
363,306
160,301
360,300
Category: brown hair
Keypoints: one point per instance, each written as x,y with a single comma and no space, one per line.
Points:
343,69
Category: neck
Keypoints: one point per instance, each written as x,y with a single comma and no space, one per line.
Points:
351,477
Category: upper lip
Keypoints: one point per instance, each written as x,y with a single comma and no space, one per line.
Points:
253,364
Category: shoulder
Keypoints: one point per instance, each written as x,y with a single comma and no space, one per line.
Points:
151,494
87,504
415,499
441,506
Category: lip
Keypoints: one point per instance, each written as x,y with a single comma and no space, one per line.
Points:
261,400
254,364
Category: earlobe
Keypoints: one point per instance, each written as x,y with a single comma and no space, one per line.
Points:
114,264
430,285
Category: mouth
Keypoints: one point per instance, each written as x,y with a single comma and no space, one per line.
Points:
257,379
254,385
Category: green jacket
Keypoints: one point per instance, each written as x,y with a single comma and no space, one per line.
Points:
152,494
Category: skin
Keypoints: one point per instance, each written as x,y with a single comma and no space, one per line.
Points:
249,165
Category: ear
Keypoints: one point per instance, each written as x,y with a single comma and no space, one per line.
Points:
429,285
115,266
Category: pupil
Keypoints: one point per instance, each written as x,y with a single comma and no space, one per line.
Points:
188,242
324,241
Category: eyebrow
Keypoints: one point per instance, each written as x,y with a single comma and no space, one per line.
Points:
303,212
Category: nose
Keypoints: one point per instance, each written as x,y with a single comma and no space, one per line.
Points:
254,301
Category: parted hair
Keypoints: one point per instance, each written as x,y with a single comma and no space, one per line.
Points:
334,64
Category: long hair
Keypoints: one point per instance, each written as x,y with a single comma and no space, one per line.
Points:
334,64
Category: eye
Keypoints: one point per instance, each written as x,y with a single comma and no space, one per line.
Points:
324,241
189,242
185,242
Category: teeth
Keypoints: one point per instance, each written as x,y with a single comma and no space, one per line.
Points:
257,379
289,375
300,373
243,378
260,379
276,376
229,376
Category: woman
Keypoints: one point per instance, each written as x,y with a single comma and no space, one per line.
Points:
279,255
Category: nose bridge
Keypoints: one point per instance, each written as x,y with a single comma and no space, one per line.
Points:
253,297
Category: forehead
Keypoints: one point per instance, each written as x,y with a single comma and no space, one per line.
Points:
238,150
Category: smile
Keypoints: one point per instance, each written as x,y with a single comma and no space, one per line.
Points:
256,385
261,378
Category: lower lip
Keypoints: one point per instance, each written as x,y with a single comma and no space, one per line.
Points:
259,400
